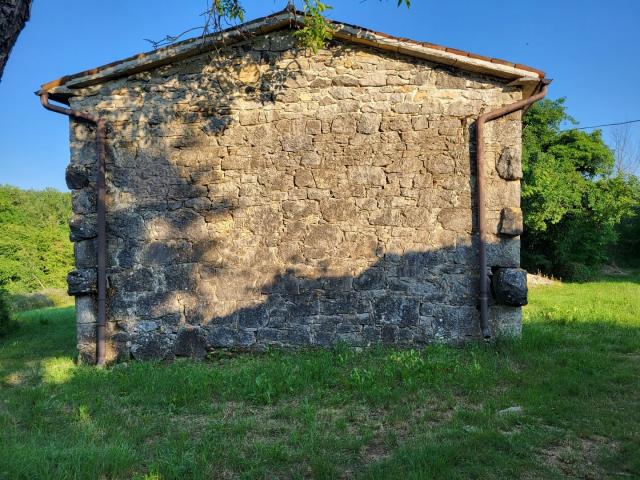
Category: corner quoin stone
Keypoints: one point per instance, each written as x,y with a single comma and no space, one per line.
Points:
82,281
510,286
511,222
509,165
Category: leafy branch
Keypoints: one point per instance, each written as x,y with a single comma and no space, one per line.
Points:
313,34
316,31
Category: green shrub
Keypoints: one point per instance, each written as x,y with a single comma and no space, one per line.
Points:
579,272
6,322
49,297
627,251
35,251
573,199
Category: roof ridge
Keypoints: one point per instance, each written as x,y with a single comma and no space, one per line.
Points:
281,19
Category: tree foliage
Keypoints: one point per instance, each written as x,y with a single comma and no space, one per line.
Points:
313,34
35,252
5,312
316,31
572,198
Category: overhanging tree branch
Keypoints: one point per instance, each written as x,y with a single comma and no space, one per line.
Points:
14,14
313,34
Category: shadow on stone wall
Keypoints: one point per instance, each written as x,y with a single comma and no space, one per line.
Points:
406,300
181,282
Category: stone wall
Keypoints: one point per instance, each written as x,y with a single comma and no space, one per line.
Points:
259,195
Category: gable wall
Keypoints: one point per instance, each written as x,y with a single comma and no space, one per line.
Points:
262,196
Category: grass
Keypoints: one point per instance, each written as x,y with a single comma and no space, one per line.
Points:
49,297
574,379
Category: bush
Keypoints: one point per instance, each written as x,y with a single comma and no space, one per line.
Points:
50,297
579,272
6,322
35,251
577,207
627,251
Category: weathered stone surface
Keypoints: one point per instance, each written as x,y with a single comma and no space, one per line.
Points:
511,222
226,337
190,342
264,197
296,143
86,339
508,164
82,227
83,202
455,219
510,286
503,252
151,347
76,176
369,123
82,281
134,280
365,175
249,74
85,309
506,321
85,253
215,126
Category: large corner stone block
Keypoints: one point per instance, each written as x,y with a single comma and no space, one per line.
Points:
82,227
511,222
508,164
505,321
510,286
81,282
76,176
86,309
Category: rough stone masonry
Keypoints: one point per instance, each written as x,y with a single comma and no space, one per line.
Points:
260,195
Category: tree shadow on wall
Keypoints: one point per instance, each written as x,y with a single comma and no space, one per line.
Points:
408,300
179,192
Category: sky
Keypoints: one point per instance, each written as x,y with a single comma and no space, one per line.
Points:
590,48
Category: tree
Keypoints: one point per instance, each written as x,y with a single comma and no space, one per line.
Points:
572,197
13,17
313,34
5,312
626,150
35,252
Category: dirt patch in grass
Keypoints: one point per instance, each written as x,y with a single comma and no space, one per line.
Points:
634,357
540,279
579,459
392,434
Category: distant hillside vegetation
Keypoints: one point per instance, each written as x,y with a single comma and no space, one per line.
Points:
35,251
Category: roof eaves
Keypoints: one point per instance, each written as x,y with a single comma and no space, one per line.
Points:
191,47
169,54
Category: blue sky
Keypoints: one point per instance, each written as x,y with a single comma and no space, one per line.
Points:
589,47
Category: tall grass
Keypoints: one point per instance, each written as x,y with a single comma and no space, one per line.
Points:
561,402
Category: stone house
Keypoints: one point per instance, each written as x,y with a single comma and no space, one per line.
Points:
258,194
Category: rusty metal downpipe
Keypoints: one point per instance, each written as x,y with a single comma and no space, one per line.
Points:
101,135
483,295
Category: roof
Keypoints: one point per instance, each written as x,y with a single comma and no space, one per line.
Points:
62,88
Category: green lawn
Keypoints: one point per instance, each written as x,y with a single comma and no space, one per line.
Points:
574,378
